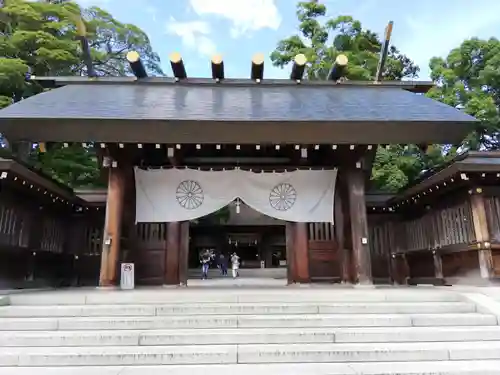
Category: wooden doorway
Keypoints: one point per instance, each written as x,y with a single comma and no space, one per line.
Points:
324,262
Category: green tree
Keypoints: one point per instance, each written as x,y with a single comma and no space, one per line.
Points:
110,40
74,166
469,78
396,166
34,37
321,41
40,37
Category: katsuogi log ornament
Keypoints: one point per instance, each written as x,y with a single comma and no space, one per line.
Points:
339,68
136,64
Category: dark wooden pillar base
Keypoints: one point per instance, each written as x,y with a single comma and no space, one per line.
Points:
290,252
355,180
301,249
438,266
172,254
342,228
183,252
112,227
482,234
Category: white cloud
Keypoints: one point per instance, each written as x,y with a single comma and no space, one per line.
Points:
245,15
97,3
194,35
152,11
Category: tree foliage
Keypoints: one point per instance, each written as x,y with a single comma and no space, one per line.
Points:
469,78
396,166
322,40
40,37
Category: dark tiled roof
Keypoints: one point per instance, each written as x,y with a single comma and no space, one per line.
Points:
233,103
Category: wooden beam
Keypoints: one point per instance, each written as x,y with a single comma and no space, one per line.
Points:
172,254
298,68
383,52
217,67
184,253
359,226
257,71
301,249
84,43
338,68
482,234
178,66
112,227
52,82
134,59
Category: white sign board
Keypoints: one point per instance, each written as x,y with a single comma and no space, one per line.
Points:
127,276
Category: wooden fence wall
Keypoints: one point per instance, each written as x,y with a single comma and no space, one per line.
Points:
33,243
382,240
439,242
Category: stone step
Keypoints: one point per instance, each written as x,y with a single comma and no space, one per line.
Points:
246,321
490,367
248,336
240,308
214,273
309,294
248,354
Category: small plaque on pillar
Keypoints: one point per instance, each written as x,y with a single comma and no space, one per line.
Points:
127,281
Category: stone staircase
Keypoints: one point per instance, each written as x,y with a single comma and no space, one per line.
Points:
279,331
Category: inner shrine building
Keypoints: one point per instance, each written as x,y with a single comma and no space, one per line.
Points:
298,153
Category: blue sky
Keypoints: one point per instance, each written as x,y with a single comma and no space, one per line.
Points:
239,28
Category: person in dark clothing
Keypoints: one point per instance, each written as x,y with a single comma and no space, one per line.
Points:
223,264
205,259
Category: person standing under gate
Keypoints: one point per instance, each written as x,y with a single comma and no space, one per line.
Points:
235,264
205,259
223,264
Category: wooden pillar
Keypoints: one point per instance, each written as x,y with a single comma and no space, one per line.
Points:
268,252
172,254
343,228
394,275
438,266
290,252
112,227
359,226
482,233
183,252
301,249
